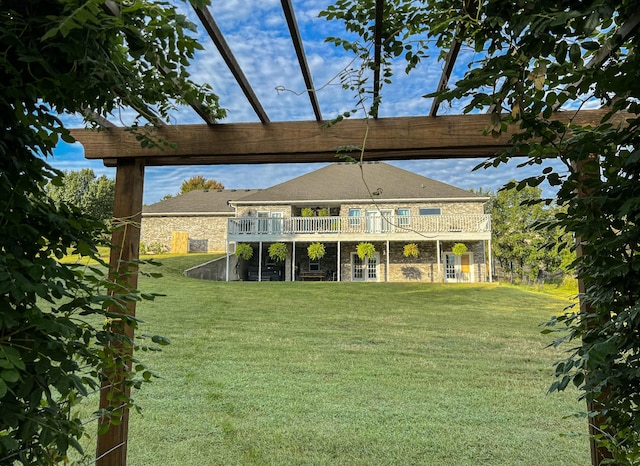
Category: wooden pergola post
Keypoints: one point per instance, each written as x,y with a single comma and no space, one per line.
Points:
127,212
589,170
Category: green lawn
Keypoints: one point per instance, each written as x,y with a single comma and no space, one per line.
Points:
350,374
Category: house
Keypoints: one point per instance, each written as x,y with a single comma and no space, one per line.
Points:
341,206
202,214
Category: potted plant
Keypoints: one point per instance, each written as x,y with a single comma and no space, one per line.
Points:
324,212
459,249
411,250
316,251
365,250
278,252
308,212
244,251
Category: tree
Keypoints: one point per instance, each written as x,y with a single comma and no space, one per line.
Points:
533,58
199,182
92,195
523,243
68,56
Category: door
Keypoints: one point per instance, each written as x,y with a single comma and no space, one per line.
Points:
276,222
458,268
376,223
364,270
269,222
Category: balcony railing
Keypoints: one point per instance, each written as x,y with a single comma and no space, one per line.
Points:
368,224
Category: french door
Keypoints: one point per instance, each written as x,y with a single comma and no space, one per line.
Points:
365,270
375,221
458,268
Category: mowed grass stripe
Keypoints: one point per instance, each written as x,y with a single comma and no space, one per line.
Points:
351,374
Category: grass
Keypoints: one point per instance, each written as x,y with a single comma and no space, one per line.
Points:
350,374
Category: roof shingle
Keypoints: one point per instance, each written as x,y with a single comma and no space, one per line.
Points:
347,181
214,201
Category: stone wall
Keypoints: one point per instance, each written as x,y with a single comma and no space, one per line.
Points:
447,208
252,211
215,270
206,233
423,268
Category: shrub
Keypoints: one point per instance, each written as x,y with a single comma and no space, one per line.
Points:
459,249
278,252
411,250
365,250
244,251
316,251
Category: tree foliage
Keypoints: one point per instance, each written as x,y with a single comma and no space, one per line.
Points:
524,243
532,58
199,182
68,56
91,194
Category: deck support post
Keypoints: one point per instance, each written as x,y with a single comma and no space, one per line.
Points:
226,250
260,262
339,262
127,213
490,263
388,261
293,262
439,279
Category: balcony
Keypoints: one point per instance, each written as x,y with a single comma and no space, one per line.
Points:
372,227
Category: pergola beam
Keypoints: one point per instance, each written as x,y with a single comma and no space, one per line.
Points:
221,44
377,54
307,141
452,56
449,63
289,15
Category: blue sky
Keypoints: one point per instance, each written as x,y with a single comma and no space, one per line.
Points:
258,35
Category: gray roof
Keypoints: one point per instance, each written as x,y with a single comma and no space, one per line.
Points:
346,182
214,201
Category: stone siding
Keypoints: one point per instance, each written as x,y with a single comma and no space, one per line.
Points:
252,211
447,208
423,268
206,233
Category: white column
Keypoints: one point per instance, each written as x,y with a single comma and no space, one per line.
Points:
490,264
339,272
387,274
438,258
260,262
293,262
226,249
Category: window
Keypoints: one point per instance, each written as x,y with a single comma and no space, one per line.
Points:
354,217
403,217
314,265
430,211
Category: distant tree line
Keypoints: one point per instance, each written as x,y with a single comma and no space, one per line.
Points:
92,194
523,246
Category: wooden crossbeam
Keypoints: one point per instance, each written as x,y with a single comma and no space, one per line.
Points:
227,55
307,141
289,15
377,53
452,56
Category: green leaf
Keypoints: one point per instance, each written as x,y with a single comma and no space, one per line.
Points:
162,341
575,55
9,375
